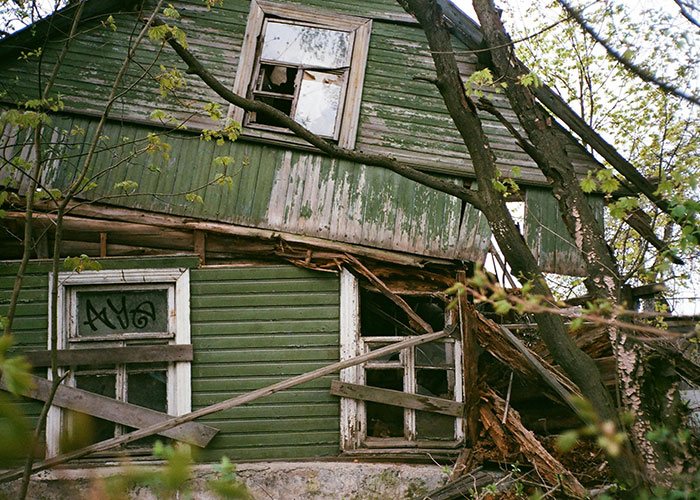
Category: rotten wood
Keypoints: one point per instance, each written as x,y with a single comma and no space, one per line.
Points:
112,355
106,213
547,374
200,247
360,269
470,359
501,346
397,398
229,403
470,485
118,412
512,437
103,244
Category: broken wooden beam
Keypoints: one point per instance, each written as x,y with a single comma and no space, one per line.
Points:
513,432
112,355
470,485
227,404
397,398
117,411
360,268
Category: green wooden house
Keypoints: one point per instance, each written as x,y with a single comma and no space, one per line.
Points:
231,262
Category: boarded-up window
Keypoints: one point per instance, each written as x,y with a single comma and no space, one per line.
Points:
431,370
106,311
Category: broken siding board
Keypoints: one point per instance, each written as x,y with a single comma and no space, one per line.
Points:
118,411
397,398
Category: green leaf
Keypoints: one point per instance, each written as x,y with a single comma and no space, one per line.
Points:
566,442
16,374
171,12
194,198
588,185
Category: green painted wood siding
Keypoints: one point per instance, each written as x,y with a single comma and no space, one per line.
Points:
252,327
400,116
30,327
273,187
547,235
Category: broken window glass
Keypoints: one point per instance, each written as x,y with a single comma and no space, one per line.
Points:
306,45
302,72
384,421
439,384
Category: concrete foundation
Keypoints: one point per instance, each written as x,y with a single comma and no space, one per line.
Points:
265,481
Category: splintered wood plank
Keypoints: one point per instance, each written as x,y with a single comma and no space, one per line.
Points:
118,411
397,398
112,355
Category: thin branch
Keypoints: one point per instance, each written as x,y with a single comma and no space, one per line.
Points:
642,73
685,12
195,67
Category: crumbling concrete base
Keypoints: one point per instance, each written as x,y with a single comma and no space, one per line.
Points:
265,481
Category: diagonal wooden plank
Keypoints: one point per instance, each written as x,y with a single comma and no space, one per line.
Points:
118,411
397,398
112,355
359,268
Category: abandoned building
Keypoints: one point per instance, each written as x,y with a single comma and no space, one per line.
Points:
228,266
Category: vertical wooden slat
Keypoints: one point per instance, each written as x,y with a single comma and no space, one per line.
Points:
103,244
470,356
200,245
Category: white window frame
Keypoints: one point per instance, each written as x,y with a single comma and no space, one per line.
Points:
361,29
353,419
175,280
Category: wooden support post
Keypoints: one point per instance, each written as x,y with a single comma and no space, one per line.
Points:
227,404
470,357
200,245
103,244
41,245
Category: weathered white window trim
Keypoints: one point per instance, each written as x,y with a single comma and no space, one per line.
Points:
361,29
353,419
176,281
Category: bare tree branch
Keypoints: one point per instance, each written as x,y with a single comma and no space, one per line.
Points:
195,67
642,73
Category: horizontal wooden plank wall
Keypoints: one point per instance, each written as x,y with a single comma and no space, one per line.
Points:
399,116
273,188
251,327
547,236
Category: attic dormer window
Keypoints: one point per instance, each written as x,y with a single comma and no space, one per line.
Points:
306,63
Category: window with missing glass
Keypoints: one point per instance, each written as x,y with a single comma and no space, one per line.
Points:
372,321
307,64
106,311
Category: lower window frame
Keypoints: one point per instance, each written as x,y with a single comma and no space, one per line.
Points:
353,419
179,389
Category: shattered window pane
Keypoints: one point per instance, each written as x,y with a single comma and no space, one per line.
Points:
148,389
435,354
384,421
319,99
306,45
277,79
392,357
429,425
